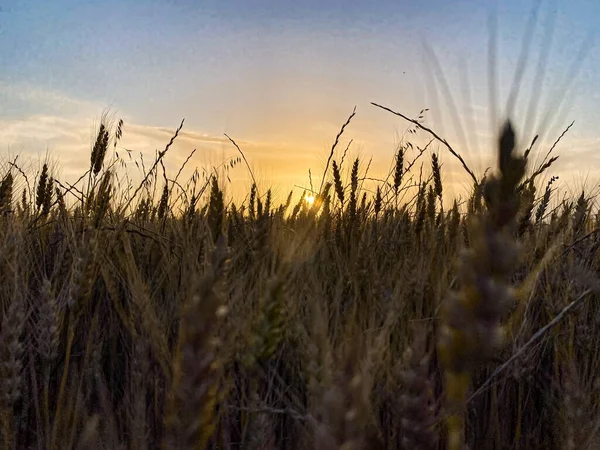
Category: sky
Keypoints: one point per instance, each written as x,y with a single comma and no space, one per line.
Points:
280,77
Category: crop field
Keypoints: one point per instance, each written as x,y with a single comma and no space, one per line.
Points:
163,314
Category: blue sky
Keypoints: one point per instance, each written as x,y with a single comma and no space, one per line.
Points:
280,76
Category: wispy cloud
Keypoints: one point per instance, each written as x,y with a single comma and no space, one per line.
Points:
24,98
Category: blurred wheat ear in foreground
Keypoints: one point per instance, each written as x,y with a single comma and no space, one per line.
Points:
472,330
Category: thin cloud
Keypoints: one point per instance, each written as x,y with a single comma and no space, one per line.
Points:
25,98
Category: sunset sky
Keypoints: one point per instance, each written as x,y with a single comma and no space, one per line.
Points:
282,76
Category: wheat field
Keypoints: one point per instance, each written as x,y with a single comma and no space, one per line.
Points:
164,315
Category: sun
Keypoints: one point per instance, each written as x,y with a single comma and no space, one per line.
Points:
310,199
